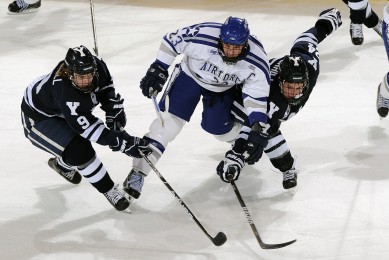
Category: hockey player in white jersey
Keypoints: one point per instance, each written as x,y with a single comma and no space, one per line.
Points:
216,57
293,78
57,118
383,87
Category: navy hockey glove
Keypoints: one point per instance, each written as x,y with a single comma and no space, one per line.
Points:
329,19
256,142
153,82
131,145
229,169
115,117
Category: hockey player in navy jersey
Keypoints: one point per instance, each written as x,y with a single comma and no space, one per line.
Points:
216,57
361,13
57,118
293,78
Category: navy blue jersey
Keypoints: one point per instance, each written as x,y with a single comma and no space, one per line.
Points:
278,108
52,95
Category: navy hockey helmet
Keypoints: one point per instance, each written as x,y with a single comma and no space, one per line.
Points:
293,70
235,31
79,60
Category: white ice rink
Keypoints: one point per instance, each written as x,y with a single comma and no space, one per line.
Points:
341,208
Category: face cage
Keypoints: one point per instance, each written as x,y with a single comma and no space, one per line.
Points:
91,87
298,98
232,61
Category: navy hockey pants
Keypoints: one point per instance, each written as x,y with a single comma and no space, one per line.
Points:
184,95
51,135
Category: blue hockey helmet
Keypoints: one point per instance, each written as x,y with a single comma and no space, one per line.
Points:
235,31
233,41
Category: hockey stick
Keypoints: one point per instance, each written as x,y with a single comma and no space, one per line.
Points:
92,13
252,225
158,110
165,95
219,239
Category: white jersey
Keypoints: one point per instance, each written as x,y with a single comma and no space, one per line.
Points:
202,61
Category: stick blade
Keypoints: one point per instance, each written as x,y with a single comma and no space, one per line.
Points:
220,239
276,246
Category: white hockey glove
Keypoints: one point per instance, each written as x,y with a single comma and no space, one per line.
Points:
229,169
330,19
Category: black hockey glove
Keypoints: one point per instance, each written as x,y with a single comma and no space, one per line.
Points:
115,117
229,169
131,145
256,142
153,82
329,19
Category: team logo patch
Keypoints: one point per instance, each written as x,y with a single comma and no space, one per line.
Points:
192,32
213,52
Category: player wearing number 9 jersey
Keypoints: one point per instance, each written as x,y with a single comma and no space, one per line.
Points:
57,118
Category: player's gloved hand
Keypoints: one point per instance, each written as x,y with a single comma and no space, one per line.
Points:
229,169
330,19
253,149
131,145
152,83
114,112
115,117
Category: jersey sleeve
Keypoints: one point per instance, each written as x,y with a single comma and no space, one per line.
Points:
177,42
257,86
106,85
255,95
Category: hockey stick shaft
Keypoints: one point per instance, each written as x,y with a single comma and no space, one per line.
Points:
158,110
92,13
165,96
220,238
252,225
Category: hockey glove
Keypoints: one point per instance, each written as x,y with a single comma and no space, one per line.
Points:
256,142
131,145
229,169
153,82
115,117
329,19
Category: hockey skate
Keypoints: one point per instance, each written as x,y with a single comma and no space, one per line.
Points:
378,28
116,198
382,104
290,180
133,184
71,175
21,7
356,33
